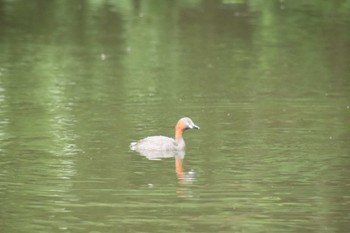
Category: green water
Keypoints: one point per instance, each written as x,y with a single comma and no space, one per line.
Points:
268,82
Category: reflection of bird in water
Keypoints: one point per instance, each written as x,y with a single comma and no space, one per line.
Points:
159,154
184,178
161,144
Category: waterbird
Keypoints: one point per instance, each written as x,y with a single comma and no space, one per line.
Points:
162,144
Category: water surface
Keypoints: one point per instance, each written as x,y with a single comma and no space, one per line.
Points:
267,82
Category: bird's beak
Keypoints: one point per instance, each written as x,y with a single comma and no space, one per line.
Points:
194,126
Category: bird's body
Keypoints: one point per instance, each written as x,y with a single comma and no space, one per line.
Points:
163,143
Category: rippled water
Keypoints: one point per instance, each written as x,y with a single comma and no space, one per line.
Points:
268,83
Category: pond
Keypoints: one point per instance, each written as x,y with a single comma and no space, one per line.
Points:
267,82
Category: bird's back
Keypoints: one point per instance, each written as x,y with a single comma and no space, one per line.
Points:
160,143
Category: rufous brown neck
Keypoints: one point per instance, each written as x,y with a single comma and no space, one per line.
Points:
179,129
178,133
